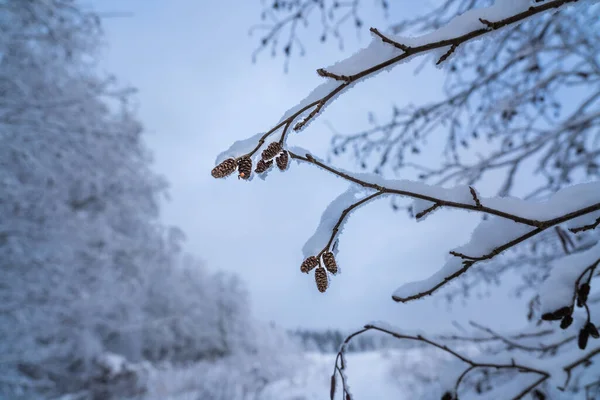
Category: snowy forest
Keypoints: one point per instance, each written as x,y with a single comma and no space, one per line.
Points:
98,299
107,293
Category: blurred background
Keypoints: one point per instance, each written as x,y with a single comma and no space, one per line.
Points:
130,273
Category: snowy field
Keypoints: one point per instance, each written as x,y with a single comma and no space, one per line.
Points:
372,375
369,375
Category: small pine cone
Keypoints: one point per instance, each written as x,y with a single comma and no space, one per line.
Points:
329,261
262,166
245,167
282,160
227,167
309,264
321,279
271,151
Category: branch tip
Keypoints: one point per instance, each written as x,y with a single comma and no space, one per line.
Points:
385,39
489,24
475,197
326,74
447,54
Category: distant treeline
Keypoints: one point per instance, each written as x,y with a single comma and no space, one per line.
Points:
328,341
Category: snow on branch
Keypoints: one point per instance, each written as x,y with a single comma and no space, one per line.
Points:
385,52
333,219
567,276
495,235
513,220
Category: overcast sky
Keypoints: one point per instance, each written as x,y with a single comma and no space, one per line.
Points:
199,92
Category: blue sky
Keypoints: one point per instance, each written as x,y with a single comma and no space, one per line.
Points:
199,92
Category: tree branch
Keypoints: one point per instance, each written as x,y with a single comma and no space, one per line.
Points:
472,364
409,52
539,226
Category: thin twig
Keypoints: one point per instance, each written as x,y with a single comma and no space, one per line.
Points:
455,41
385,39
472,364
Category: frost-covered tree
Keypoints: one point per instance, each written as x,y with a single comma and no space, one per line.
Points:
91,280
78,200
523,76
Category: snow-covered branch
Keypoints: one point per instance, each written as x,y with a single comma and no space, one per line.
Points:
528,219
563,219
383,54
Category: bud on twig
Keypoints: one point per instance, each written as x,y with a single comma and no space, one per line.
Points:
224,169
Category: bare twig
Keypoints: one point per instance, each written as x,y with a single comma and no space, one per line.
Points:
475,197
343,216
447,54
588,227
385,39
471,363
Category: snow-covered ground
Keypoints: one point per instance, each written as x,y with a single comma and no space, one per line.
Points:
369,374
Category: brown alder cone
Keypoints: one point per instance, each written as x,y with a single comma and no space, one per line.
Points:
245,167
332,387
282,160
593,330
271,151
262,166
329,261
321,279
225,168
582,340
309,264
558,314
566,322
582,294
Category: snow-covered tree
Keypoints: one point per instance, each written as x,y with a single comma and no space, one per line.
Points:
78,200
522,74
91,280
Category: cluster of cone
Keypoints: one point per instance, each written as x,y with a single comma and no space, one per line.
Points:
565,315
244,164
321,278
